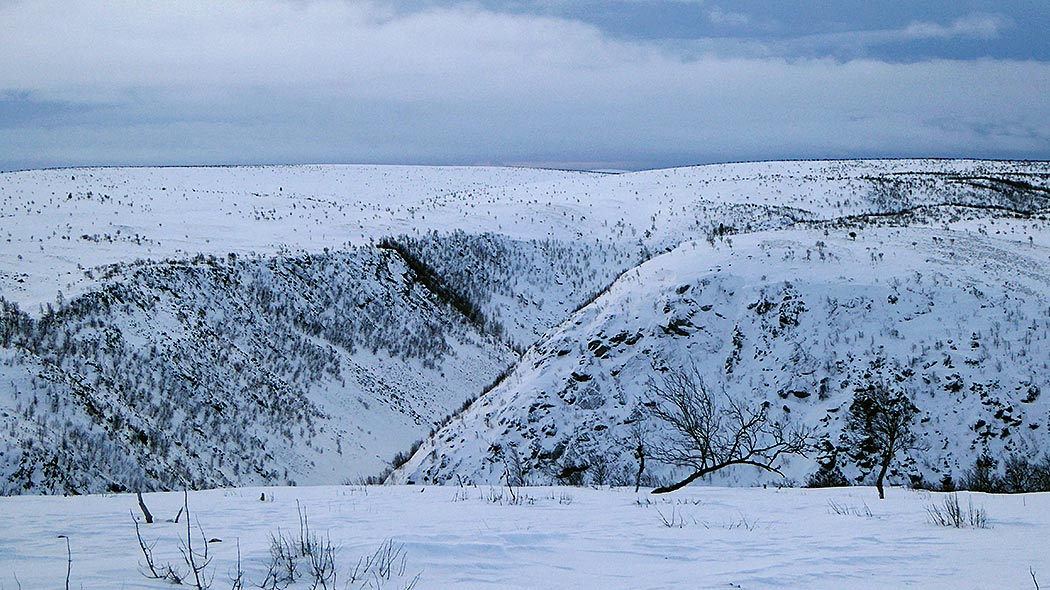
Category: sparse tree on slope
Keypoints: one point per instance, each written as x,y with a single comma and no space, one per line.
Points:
878,428
708,434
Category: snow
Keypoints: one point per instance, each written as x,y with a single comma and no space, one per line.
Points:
454,537
956,289
158,213
957,319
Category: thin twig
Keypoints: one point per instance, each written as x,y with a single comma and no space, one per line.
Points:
69,559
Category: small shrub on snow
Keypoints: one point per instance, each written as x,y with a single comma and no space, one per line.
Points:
828,474
983,477
951,514
947,484
827,477
564,498
1020,474
850,510
509,496
305,558
674,520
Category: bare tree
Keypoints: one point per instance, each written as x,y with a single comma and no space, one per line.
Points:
878,428
196,560
709,434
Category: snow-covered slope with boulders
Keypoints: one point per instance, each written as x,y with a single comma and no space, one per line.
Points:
234,326
793,319
935,282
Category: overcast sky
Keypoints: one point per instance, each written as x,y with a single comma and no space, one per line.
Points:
592,84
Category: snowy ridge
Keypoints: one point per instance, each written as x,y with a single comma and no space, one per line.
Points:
59,223
794,319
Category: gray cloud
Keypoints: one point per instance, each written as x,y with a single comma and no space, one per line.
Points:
973,26
843,45
720,16
272,81
978,26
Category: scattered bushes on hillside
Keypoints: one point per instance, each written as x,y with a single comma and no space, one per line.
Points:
490,278
189,372
828,473
1020,474
402,457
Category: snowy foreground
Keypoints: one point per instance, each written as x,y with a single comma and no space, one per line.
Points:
550,537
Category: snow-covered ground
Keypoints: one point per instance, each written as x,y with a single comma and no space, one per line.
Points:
554,538
250,325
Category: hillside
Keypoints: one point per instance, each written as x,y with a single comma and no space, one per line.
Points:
793,319
892,270
269,325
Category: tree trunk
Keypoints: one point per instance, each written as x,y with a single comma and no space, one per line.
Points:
641,467
681,484
882,475
145,511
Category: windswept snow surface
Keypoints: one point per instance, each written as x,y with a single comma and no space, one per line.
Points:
556,538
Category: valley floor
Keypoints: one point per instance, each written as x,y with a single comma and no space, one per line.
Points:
549,537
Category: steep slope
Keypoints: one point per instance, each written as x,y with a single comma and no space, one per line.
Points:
314,368
521,288
795,319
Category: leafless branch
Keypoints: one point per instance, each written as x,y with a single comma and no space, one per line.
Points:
709,433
